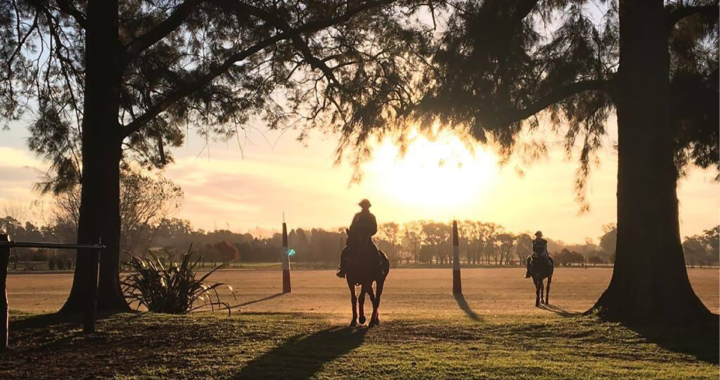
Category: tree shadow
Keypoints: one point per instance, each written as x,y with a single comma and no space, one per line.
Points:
559,311
701,340
301,357
464,306
42,329
43,321
257,300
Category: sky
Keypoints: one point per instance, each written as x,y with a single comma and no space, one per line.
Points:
248,186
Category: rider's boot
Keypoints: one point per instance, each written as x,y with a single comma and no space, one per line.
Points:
527,273
340,272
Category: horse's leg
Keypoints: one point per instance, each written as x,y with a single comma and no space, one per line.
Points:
373,299
542,291
353,298
537,292
363,290
547,293
380,285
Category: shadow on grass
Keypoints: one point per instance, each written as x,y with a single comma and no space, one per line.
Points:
301,357
701,341
559,311
42,329
460,299
257,301
44,321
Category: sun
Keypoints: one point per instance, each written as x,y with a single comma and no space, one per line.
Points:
442,173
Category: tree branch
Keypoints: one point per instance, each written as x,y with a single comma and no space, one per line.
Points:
75,13
161,30
517,115
675,14
273,19
523,8
20,45
203,80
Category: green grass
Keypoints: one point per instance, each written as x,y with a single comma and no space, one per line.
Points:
302,346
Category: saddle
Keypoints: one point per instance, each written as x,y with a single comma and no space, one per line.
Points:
362,258
537,261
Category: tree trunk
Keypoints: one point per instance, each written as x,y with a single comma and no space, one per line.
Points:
101,154
649,281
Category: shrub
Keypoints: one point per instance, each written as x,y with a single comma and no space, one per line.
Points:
52,261
174,290
39,255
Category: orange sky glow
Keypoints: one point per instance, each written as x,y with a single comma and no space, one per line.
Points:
441,178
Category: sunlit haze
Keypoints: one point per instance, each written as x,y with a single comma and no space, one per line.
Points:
440,178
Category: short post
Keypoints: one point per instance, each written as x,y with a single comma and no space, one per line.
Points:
285,260
92,285
4,309
457,283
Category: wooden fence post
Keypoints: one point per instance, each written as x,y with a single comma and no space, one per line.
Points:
285,260
90,306
457,283
4,308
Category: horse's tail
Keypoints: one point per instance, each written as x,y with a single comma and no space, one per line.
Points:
384,262
552,266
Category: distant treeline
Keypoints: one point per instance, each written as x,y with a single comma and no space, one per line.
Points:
418,242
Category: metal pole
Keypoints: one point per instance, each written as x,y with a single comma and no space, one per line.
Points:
285,260
4,309
89,317
457,282
26,244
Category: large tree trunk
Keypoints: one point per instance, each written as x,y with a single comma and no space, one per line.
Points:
649,280
101,155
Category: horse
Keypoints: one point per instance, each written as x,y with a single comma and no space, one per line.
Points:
539,271
360,271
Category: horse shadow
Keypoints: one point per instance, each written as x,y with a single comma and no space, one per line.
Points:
301,357
465,307
559,311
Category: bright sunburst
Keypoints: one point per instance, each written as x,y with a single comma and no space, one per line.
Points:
437,173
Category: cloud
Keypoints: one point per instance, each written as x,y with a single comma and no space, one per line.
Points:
13,157
19,171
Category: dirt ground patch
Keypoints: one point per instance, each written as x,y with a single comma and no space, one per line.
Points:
425,292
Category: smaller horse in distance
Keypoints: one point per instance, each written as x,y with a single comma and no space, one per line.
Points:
540,270
361,271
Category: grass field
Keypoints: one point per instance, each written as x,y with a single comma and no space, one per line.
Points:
492,332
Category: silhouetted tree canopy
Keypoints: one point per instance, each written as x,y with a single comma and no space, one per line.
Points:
215,66
499,66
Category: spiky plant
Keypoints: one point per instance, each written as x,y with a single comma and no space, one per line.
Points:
174,290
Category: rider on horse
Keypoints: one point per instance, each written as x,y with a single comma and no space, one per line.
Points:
363,227
539,251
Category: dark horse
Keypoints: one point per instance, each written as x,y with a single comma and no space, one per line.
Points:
540,270
360,270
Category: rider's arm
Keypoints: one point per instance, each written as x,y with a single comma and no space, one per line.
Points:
373,225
